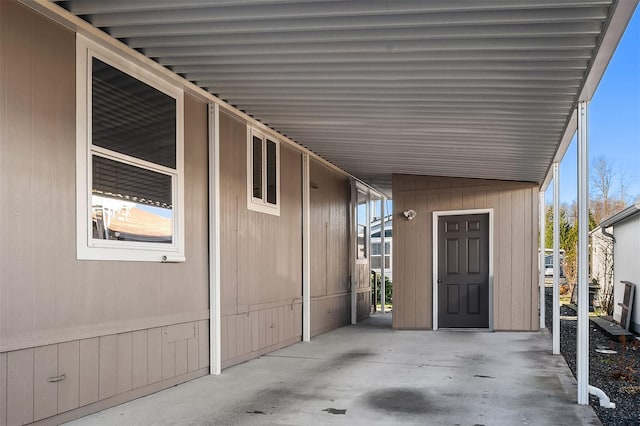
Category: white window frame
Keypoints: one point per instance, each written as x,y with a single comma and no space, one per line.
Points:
260,204
89,248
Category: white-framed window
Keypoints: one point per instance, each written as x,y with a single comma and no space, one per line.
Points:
129,160
263,172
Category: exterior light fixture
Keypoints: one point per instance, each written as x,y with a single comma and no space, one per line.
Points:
410,214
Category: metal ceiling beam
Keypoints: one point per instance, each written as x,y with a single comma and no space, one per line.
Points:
382,34
483,55
193,22
463,45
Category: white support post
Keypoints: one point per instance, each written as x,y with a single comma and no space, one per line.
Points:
582,348
556,259
215,348
306,249
367,238
353,251
383,255
542,259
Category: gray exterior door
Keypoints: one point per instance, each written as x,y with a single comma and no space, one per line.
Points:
463,271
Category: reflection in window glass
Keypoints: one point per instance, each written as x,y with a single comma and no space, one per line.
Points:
117,219
362,241
130,203
361,213
375,249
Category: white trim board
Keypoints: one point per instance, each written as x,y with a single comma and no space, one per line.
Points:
434,248
215,343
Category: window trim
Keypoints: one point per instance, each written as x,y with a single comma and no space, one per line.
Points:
261,205
89,248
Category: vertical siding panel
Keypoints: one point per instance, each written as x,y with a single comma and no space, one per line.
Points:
108,366
232,337
298,319
154,355
168,356
281,324
262,329
140,350
239,332
276,325
469,199
517,260
45,394
423,265
3,389
410,264
20,387
203,343
192,352
535,293
255,331
224,338
182,361
456,200
480,200
247,333
124,367
504,291
493,202
89,370
69,365
268,326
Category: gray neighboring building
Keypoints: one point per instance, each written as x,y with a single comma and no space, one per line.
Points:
626,267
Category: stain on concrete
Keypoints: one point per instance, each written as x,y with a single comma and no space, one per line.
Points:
255,412
335,410
483,376
399,400
355,354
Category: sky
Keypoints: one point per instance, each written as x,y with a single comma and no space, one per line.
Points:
614,120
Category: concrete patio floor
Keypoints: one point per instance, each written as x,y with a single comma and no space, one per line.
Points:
370,373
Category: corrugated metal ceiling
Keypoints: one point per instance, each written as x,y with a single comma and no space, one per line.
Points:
443,87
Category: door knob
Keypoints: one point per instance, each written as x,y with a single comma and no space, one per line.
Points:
439,281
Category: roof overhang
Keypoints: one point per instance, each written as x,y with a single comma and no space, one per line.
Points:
632,210
450,88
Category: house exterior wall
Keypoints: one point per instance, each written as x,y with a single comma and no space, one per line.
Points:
329,240
261,254
626,266
120,330
515,251
116,330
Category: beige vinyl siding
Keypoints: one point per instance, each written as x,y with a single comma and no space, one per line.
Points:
100,323
261,260
329,241
99,372
46,294
514,204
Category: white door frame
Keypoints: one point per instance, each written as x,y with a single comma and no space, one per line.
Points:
434,277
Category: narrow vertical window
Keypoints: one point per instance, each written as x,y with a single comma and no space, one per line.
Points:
263,173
